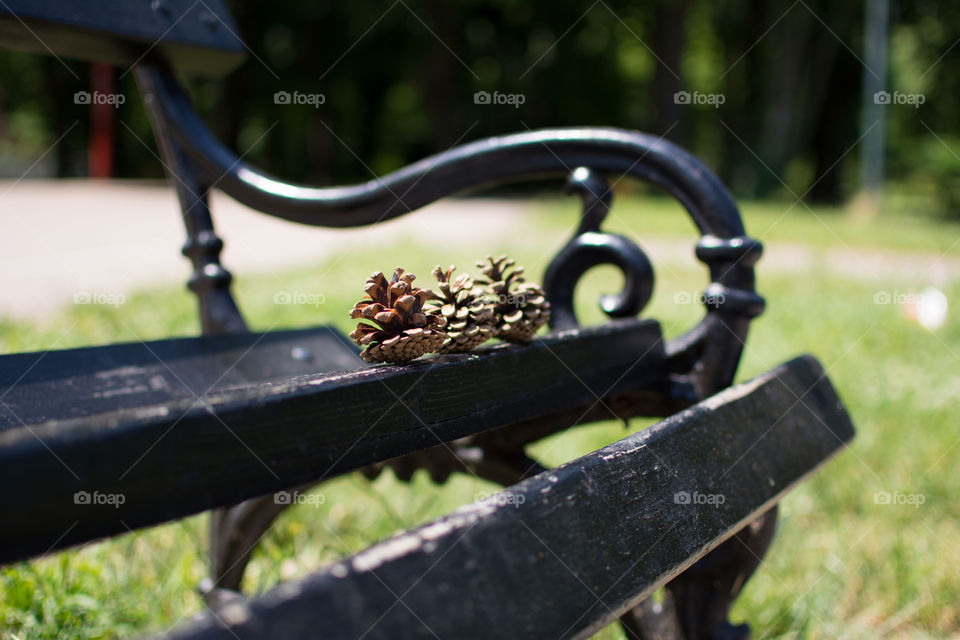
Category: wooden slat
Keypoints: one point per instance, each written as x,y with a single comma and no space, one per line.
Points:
195,37
182,457
73,383
565,553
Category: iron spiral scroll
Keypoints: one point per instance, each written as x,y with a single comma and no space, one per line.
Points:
590,247
730,299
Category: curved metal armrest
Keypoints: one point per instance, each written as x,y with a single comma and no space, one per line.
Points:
522,156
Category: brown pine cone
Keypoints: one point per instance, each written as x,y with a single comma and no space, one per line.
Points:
520,307
401,331
469,321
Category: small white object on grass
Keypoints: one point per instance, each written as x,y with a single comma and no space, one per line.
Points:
928,309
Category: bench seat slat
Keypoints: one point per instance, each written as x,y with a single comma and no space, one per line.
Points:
195,37
182,457
74,383
563,554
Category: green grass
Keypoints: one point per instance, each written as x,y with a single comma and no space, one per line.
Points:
841,566
772,222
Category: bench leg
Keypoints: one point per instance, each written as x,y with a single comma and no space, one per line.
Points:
698,601
210,281
234,534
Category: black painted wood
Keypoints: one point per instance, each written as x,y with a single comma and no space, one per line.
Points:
178,458
58,385
193,37
566,552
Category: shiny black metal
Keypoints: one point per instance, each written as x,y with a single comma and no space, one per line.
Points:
586,251
484,163
595,193
209,281
590,247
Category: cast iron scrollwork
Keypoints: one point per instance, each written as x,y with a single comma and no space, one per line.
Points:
591,247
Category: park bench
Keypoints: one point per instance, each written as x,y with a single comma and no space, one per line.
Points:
98,441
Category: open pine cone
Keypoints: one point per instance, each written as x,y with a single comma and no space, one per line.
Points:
469,321
401,331
520,307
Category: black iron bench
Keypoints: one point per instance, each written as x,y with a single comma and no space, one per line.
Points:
223,421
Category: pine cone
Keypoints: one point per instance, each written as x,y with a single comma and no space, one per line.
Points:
469,321
520,307
401,331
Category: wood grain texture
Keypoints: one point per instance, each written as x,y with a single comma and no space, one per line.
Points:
74,383
564,553
180,457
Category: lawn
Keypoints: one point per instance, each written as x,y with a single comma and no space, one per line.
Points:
843,564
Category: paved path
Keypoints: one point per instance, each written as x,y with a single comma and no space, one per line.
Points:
58,238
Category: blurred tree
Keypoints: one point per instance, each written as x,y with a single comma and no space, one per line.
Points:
399,82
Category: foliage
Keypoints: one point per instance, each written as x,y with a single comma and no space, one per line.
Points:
399,82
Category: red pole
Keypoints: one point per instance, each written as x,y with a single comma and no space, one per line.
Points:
100,150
